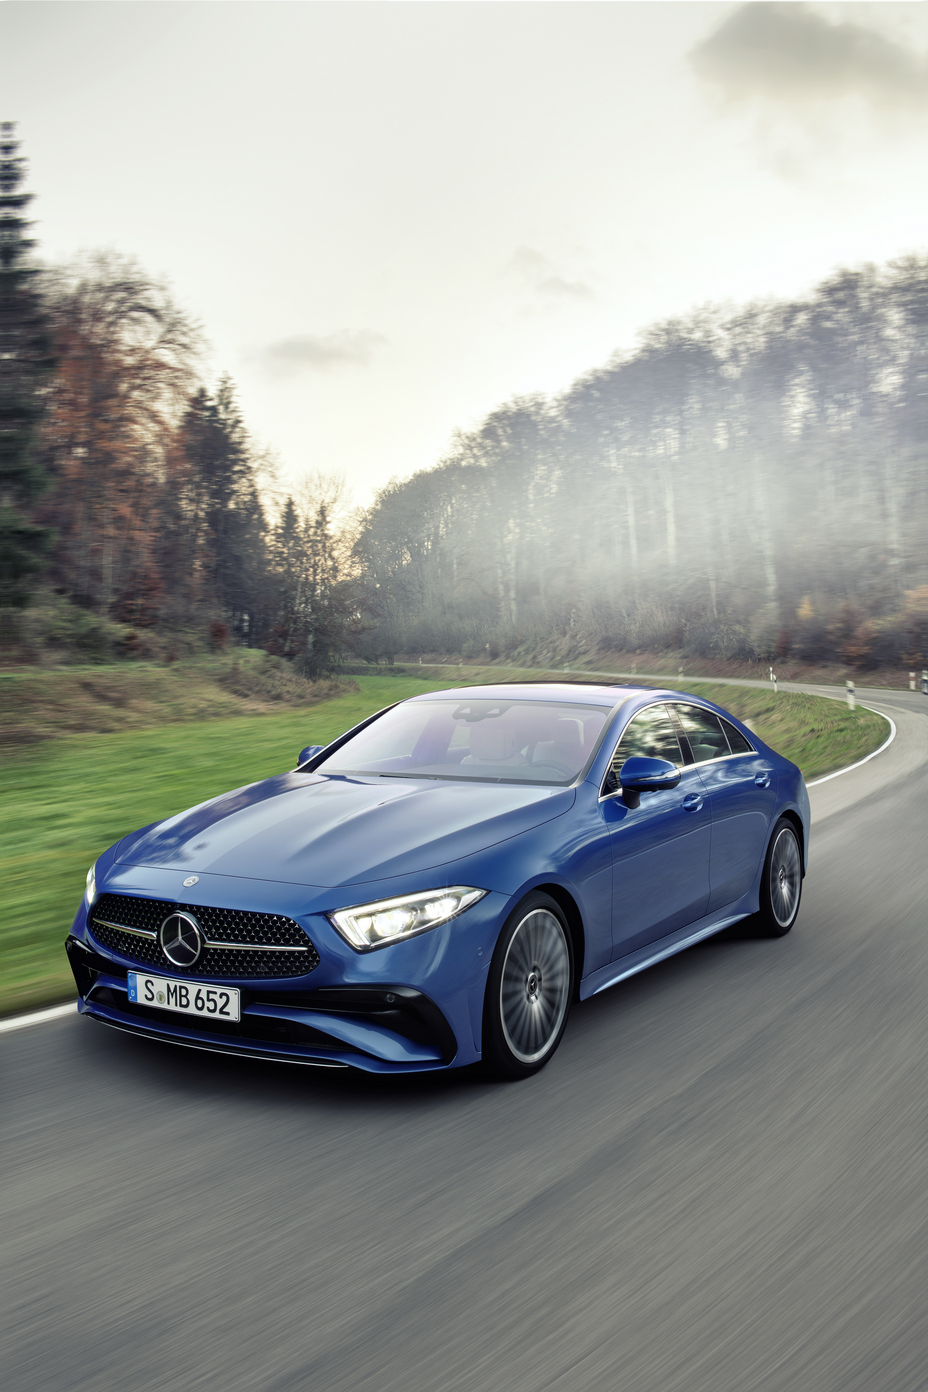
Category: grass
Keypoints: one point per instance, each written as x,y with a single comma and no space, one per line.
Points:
66,799
41,703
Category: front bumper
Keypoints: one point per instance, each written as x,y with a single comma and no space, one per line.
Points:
338,1012
383,1029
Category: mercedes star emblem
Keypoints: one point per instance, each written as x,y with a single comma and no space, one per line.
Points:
181,939
191,880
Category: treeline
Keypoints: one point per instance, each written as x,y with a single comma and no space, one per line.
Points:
747,484
157,502
750,484
132,495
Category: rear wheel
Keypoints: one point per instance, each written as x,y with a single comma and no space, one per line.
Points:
781,886
529,989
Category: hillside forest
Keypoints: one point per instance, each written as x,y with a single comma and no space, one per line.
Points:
749,482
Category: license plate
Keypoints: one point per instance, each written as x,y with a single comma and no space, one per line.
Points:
187,997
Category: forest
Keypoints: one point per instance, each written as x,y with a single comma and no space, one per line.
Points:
747,483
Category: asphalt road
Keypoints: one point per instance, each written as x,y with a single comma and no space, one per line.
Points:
720,1182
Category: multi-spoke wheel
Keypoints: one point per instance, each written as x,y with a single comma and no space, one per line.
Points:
529,989
781,886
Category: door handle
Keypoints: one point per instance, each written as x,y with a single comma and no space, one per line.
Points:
692,802
762,780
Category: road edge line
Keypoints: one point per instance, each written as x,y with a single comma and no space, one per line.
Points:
37,1017
885,745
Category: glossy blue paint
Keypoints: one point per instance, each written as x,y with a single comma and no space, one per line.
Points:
660,853
638,882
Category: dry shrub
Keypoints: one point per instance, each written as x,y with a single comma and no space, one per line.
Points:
275,680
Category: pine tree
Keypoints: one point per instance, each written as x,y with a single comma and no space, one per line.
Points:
25,362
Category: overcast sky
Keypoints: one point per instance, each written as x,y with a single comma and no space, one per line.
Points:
391,217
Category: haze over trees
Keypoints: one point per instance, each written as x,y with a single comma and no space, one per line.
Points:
748,483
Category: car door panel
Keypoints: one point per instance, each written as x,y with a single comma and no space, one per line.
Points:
660,849
742,794
660,863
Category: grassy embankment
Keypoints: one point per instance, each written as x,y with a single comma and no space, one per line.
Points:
68,796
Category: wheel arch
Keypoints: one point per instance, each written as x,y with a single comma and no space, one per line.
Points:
568,906
792,816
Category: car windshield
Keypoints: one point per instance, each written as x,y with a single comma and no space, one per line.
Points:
485,741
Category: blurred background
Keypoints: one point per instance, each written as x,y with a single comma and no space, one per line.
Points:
380,329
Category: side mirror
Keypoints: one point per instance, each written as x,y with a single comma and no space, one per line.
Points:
638,775
308,753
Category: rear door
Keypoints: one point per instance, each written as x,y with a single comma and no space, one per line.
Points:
660,849
742,789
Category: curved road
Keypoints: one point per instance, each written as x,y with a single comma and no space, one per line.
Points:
720,1182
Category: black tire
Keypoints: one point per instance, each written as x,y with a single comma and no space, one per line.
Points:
781,884
529,989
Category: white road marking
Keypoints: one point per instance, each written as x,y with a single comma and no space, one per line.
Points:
885,745
38,1017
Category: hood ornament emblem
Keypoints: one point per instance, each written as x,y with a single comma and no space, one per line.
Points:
191,880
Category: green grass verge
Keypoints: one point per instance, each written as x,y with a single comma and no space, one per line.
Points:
65,800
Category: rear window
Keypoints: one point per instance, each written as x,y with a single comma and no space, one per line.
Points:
478,740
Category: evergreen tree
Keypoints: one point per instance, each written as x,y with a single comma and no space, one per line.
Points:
25,362
225,560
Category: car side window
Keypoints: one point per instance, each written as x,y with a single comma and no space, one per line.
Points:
736,740
704,732
651,735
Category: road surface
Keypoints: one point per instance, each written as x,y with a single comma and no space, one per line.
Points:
720,1182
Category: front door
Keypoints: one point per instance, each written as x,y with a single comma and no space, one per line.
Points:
742,792
660,849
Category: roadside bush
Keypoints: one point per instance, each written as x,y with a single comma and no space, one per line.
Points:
274,679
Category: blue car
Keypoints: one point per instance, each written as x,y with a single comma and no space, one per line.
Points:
438,885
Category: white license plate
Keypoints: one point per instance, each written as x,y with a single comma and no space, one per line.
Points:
187,997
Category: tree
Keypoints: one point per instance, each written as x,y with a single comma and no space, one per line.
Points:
126,357
319,597
25,363
219,543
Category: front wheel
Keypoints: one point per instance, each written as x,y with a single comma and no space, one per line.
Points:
529,989
781,886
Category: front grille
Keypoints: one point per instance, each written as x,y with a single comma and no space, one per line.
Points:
229,927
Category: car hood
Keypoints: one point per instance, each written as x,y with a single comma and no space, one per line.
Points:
329,831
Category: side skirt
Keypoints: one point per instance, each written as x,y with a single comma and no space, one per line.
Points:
645,957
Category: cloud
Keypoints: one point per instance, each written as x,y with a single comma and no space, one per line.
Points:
789,53
319,353
546,280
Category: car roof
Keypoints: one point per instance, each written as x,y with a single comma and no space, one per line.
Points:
577,693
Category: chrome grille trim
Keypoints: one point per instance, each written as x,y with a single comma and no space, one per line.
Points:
247,947
124,928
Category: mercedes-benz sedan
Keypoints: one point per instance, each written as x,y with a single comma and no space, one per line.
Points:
437,886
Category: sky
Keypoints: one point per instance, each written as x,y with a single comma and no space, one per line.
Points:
390,218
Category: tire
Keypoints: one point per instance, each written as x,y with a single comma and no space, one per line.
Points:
529,989
781,884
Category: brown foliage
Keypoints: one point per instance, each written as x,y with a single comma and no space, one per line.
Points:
125,368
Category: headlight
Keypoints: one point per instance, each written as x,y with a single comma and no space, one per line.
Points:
90,893
377,925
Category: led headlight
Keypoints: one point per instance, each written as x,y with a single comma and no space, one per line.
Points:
90,893
377,925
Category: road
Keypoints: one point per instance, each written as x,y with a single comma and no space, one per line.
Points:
719,1182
